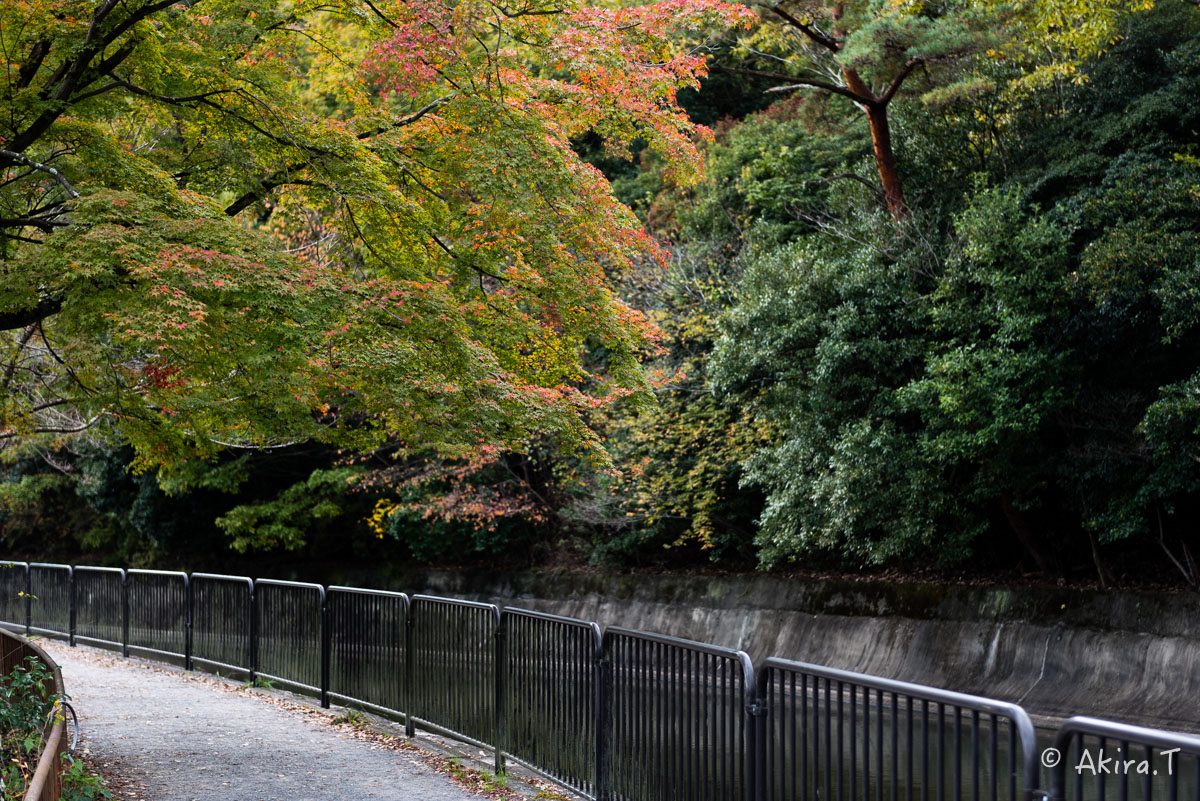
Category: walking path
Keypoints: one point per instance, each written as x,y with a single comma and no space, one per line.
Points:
168,735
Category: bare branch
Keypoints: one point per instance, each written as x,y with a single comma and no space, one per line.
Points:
409,119
794,82
17,158
849,176
811,31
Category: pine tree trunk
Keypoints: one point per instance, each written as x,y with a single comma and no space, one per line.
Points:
885,161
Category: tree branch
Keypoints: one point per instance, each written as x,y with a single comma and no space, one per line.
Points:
32,64
794,82
70,72
265,187
811,31
203,99
41,223
851,177
381,15
22,318
894,86
409,119
17,158
76,430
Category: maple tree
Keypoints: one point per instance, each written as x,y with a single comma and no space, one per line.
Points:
247,224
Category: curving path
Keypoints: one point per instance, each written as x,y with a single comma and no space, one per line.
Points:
162,734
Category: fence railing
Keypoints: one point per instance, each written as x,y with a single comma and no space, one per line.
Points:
45,784
682,718
222,622
157,614
51,585
618,715
1110,759
550,668
99,601
291,636
14,596
366,656
849,736
455,685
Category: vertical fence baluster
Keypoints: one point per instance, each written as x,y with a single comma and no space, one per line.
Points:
125,623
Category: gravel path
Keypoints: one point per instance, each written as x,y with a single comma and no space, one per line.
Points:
166,735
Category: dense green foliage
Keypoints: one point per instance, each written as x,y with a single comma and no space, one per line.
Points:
1018,361
1004,371
26,709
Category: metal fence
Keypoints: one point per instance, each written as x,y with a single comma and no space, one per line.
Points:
99,598
618,715
451,672
366,658
290,635
50,600
848,736
550,666
681,718
222,623
157,615
1095,760
14,589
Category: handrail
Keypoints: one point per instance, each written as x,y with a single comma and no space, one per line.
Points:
49,767
1171,745
46,784
1023,742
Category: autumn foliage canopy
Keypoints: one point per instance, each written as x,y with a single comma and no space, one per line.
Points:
228,223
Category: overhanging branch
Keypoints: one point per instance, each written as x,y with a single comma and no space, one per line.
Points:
811,31
22,318
17,158
793,82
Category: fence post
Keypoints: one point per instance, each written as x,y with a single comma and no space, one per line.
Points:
28,601
253,633
71,613
326,642
125,615
603,726
756,740
501,717
409,695
188,604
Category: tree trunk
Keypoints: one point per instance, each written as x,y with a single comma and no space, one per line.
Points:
1025,535
885,161
1102,572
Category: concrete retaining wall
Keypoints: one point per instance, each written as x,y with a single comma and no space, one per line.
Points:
1130,657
